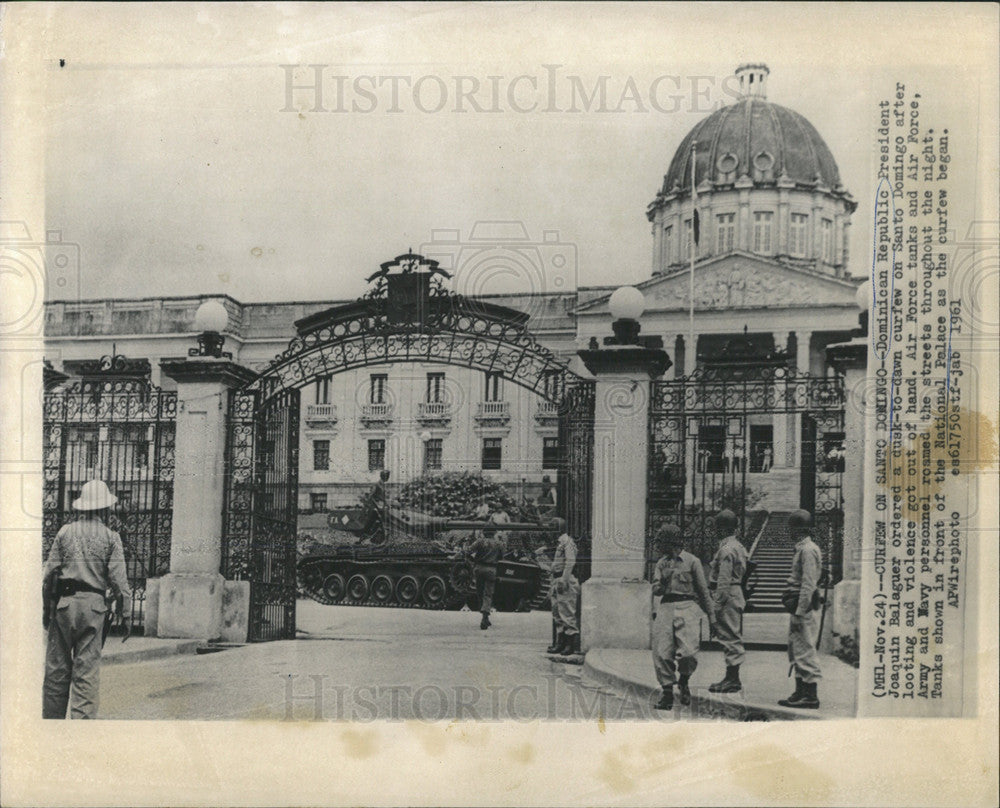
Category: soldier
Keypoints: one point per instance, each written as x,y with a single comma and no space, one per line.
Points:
679,582
801,599
486,551
726,579
85,560
564,593
375,523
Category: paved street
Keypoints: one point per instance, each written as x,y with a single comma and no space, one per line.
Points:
364,664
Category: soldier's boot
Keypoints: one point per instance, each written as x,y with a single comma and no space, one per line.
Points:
793,700
557,644
572,645
485,622
730,683
809,700
666,701
565,645
683,689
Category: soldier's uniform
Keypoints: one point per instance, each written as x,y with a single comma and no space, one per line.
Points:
564,603
486,551
804,623
87,559
726,579
679,581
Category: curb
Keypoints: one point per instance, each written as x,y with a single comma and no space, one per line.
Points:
703,704
144,654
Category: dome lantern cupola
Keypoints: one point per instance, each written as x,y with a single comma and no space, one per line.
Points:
753,80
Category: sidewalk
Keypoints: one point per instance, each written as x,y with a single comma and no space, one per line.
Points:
764,675
140,649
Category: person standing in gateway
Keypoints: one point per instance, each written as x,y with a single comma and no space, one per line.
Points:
801,599
726,580
86,559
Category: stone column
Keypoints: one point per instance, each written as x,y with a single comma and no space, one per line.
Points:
616,601
190,598
851,359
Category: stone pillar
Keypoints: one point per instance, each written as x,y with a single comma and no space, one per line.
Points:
852,360
616,602
657,244
191,595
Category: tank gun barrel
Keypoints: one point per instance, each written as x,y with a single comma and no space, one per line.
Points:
510,527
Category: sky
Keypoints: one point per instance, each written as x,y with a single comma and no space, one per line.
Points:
180,163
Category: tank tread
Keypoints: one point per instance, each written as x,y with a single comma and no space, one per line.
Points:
316,592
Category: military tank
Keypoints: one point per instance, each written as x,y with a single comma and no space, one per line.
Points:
403,560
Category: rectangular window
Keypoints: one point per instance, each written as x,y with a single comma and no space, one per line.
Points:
376,392
726,232
826,233
550,453
550,385
323,390
494,387
321,455
761,448
376,455
492,453
797,231
317,503
762,221
688,236
668,244
435,387
432,454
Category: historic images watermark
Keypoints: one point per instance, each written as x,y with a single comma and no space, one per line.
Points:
550,88
317,697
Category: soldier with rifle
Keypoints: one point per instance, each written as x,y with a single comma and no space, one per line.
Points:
86,559
726,580
801,599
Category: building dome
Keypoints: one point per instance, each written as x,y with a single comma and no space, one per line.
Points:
756,138
767,183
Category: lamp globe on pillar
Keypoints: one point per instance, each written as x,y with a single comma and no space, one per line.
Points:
210,319
627,305
863,297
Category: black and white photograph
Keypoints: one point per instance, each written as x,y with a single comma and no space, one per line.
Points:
516,403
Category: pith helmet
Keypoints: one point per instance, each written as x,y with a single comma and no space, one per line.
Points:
800,519
93,496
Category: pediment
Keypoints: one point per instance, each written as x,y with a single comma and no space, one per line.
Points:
742,282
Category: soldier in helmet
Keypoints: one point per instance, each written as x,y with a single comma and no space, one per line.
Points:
801,599
726,580
85,560
679,582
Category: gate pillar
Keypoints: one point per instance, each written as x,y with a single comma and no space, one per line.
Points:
616,602
851,359
191,595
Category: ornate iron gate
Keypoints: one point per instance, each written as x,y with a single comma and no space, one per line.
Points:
576,467
260,521
714,438
121,431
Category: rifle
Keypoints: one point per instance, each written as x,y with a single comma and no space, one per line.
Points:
109,620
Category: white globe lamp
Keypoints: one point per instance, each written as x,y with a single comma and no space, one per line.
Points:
627,305
210,320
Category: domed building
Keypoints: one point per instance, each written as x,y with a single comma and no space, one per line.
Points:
766,184
766,257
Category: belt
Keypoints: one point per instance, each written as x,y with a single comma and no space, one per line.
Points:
672,598
70,586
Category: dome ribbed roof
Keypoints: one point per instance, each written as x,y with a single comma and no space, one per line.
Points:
746,130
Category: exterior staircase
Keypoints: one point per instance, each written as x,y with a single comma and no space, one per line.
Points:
773,553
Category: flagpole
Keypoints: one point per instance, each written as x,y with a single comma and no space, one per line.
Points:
690,366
